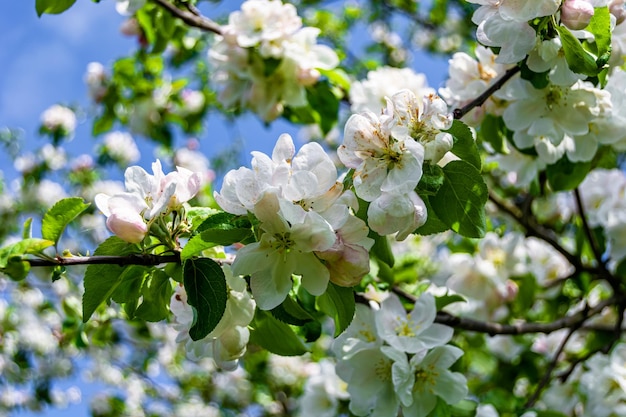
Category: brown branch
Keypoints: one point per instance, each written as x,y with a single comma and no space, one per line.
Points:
568,322
478,101
132,259
537,231
192,19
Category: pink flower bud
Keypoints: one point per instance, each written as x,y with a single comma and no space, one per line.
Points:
616,7
576,14
128,226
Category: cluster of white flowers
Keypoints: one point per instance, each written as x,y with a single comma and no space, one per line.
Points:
391,359
147,197
60,120
227,342
387,152
322,392
266,58
369,94
96,80
307,226
485,278
468,78
504,24
603,194
121,147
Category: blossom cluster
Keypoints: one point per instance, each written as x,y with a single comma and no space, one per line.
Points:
486,278
147,198
387,152
391,359
266,58
307,224
603,194
228,340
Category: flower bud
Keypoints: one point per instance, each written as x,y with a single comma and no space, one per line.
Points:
128,226
576,14
616,7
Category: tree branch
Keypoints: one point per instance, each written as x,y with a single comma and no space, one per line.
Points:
132,259
568,322
537,231
192,19
478,101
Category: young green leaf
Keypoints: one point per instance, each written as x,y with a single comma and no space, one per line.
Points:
460,202
102,280
338,303
578,60
464,144
205,284
566,175
157,291
275,336
600,27
60,215
52,6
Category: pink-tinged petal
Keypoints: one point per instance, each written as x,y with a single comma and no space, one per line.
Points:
128,226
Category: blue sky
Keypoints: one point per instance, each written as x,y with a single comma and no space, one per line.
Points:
43,61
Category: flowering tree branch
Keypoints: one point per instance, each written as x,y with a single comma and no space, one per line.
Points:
192,18
478,101
573,321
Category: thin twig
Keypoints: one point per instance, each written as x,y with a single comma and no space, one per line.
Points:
478,101
192,19
568,322
132,259
537,231
545,380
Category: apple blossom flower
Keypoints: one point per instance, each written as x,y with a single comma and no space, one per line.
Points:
322,392
121,147
548,119
468,78
146,197
413,332
60,120
265,59
96,80
290,236
369,94
425,377
504,24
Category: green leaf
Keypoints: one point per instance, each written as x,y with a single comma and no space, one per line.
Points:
448,299
27,228
156,292
128,290
16,268
381,249
206,292
578,60
275,336
60,215
325,104
460,202
566,175
464,144
52,6
491,131
600,27
433,223
194,246
432,178
464,408
11,257
338,303
290,312
101,280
